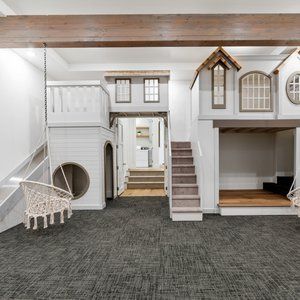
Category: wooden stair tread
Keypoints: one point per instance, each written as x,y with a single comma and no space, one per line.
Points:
145,182
184,174
182,156
183,165
185,185
146,176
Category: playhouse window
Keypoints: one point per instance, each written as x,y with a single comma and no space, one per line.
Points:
123,90
293,88
218,86
151,90
255,92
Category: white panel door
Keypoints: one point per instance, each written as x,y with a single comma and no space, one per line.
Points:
120,159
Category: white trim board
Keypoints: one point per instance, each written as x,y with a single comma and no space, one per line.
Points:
257,211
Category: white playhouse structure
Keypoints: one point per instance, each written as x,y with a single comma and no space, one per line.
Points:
80,138
245,132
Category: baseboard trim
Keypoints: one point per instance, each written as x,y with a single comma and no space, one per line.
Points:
187,216
258,211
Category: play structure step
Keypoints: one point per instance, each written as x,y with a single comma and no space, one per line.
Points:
180,145
181,152
186,201
183,169
182,160
184,178
146,172
187,214
146,179
145,185
276,188
185,189
285,180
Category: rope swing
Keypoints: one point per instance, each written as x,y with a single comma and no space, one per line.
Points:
43,200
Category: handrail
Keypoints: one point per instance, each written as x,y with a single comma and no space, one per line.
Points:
200,153
169,164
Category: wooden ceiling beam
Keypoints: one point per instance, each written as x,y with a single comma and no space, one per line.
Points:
150,30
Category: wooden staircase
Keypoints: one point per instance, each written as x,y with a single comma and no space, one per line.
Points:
148,178
185,192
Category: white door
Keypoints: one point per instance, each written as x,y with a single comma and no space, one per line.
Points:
120,159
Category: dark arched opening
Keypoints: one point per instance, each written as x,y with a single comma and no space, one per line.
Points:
109,171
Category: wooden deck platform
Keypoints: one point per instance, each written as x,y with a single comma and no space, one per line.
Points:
143,192
252,198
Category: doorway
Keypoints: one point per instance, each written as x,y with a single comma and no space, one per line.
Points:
108,169
141,156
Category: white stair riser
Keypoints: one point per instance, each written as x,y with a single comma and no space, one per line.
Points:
193,216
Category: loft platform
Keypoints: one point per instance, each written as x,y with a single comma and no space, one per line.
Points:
255,126
77,103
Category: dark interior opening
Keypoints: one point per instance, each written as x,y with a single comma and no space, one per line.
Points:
109,180
77,177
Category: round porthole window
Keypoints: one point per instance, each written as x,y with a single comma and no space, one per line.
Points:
293,88
77,177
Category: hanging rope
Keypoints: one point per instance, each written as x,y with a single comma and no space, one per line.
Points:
45,84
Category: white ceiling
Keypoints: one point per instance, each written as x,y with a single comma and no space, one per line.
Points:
90,63
151,7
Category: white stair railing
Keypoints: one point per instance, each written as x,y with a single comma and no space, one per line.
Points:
169,165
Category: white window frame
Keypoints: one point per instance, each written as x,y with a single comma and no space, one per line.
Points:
151,90
123,90
258,97
216,87
294,93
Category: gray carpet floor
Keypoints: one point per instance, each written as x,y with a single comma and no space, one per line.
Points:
132,250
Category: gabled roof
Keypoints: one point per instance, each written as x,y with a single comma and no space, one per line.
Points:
219,55
286,60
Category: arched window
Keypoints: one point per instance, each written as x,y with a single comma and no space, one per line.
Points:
218,86
255,92
293,88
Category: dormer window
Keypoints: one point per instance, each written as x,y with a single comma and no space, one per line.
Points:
123,90
218,86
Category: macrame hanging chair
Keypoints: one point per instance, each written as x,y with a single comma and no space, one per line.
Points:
294,194
41,199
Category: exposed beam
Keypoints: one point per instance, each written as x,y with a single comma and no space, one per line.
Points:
150,30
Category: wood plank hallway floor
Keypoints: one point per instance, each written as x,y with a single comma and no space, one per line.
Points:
132,250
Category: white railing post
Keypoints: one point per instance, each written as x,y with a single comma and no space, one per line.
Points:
169,166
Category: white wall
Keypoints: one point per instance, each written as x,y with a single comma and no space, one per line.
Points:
137,96
21,109
287,109
246,160
284,155
180,109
